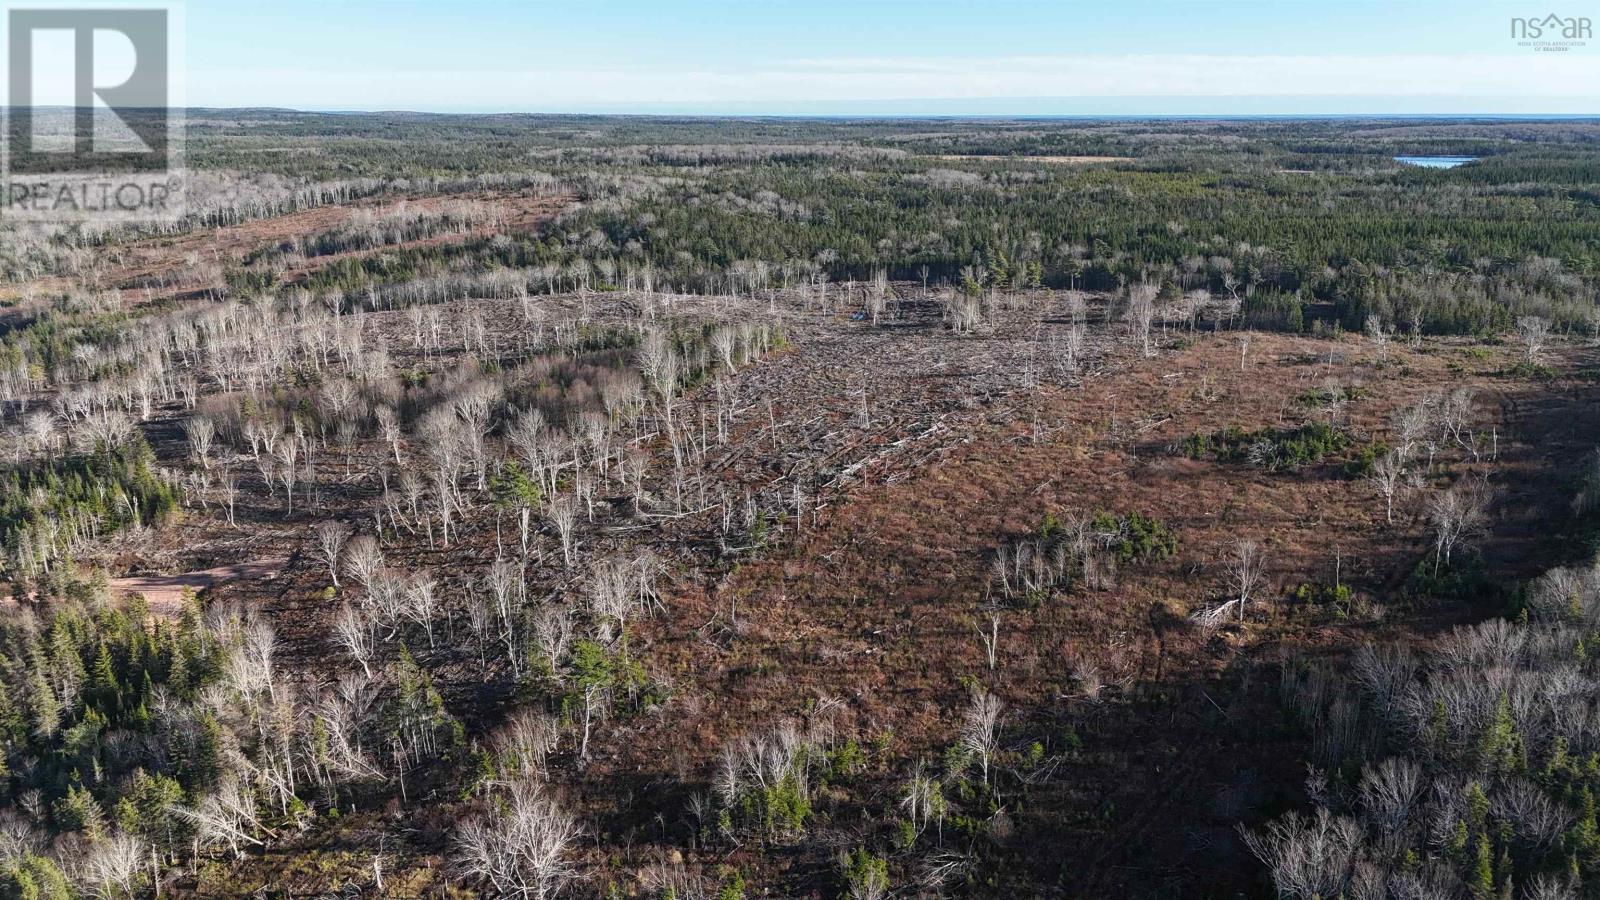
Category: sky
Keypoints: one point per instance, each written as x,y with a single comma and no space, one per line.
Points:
886,57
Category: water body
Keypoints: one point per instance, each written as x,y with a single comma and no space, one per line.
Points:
1435,162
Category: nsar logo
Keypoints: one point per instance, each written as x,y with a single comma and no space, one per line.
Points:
1552,32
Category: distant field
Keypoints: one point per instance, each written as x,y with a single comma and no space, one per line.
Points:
1063,160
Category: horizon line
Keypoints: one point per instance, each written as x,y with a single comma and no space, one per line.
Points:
622,114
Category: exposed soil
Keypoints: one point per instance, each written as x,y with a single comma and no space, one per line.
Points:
917,452
164,593
128,267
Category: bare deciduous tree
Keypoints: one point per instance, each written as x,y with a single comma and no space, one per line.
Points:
991,636
1390,792
422,602
521,846
201,432
660,365
226,817
505,591
1535,334
1378,335
341,712
389,427
564,516
1388,477
331,536
1456,515
552,634
363,559
1142,313
980,732
354,633
228,488
877,295
114,865
1308,857
1410,424
288,454
1246,573
723,341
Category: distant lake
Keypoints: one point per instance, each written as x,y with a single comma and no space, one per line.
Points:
1435,162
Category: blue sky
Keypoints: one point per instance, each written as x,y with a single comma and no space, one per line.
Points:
885,56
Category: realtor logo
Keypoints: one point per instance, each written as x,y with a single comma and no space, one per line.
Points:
91,126
1552,33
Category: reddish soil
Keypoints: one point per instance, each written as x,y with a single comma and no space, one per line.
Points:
164,593
880,604
163,259
876,599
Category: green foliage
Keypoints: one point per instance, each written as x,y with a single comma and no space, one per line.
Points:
32,877
249,282
956,760
48,345
1529,371
759,528
1270,448
145,809
79,811
1134,537
611,673
86,676
782,808
1071,739
512,488
1362,463
1480,875
733,887
865,875
1500,748
1464,580
416,720
845,761
1338,597
49,506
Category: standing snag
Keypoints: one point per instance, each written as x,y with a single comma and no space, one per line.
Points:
980,732
1387,477
1142,313
1378,335
1247,572
353,631
564,516
1456,515
363,560
521,846
1535,334
201,432
331,536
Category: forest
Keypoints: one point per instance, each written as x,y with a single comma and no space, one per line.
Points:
664,507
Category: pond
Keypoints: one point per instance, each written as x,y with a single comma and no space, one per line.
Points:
1435,162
